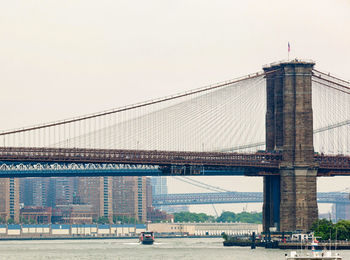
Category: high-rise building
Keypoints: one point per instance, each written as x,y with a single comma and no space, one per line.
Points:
149,193
9,199
141,199
341,211
107,196
97,192
159,185
62,191
47,192
34,191
129,197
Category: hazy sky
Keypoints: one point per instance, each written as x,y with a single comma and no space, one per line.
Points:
64,58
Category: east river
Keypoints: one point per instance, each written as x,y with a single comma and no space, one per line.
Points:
177,248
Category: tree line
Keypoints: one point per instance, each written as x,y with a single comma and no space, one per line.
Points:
325,229
226,216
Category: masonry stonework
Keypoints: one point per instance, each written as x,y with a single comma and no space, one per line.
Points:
290,199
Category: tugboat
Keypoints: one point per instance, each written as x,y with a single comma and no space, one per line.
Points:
146,238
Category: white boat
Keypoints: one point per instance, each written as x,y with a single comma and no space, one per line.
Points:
322,255
315,254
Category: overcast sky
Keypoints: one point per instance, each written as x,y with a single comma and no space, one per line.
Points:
64,58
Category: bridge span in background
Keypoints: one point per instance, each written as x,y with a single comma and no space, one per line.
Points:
235,197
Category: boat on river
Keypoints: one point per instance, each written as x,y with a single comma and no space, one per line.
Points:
146,238
315,254
326,255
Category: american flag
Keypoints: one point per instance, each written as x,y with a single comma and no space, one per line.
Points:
288,47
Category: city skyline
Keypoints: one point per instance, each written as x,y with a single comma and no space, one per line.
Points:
91,66
108,105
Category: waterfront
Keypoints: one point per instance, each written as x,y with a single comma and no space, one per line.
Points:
175,248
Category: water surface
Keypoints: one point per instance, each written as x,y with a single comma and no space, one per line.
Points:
177,248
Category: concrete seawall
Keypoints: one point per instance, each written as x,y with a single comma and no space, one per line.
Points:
88,231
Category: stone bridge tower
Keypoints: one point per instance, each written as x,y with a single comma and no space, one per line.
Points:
290,201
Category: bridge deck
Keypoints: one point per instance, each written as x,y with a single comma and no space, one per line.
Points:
235,197
170,163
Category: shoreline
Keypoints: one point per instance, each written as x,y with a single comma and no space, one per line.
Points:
289,246
94,237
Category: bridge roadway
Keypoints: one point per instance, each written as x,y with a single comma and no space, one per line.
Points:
235,197
39,162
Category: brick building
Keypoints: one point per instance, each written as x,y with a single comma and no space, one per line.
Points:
87,198
47,192
73,214
9,199
155,215
129,197
97,192
39,215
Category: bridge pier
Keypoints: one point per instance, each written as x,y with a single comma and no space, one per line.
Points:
271,206
290,203
298,208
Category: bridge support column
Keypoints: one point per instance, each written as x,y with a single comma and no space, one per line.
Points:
298,208
289,131
271,206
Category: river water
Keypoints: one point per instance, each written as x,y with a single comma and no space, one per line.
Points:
177,248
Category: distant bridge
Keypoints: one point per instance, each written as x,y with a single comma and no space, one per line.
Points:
236,197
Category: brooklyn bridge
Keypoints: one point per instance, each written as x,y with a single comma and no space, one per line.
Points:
302,113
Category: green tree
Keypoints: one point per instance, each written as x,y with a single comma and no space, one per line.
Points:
342,228
102,220
326,230
27,221
192,217
249,217
224,236
125,220
10,221
23,220
227,216
323,228
244,217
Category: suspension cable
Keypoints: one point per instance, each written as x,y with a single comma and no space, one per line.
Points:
138,105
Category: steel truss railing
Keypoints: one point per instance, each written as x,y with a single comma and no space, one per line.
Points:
172,162
263,160
235,197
